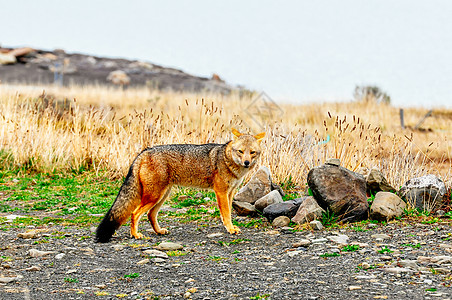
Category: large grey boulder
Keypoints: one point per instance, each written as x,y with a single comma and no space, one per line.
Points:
287,208
339,190
425,193
259,185
308,211
270,198
386,206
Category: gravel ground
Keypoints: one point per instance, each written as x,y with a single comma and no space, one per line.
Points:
260,263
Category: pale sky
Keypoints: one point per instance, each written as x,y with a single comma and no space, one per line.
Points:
297,51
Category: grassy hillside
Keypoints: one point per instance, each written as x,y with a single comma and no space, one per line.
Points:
102,129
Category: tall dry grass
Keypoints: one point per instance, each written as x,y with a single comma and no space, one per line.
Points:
103,129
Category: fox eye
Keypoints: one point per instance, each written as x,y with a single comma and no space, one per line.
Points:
240,151
252,152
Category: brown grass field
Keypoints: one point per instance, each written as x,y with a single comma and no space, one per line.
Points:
102,129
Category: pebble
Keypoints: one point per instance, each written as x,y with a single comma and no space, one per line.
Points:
302,243
158,260
380,236
281,221
319,241
143,261
10,279
27,235
338,239
316,225
294,253
406,263
155,253
386,258
397,270
169,246
214,235
33,268
354,287
365,266
118,247
60,256
39,253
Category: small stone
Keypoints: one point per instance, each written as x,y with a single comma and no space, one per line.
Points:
189,280
198,195
316,225
155,253
333,162
244,208
60,256
386,258
354,287
214,235
406,263
28,235
319,241
294,253
143,262
33,269
158,260
365,266
187,295
272,232
169,246
38,253
397,270
301,243
71,271
338,239
271,198
281,221
9,279
118,247
440,213
380,236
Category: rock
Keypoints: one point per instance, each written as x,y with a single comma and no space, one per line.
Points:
302,243
354,287
143,261
118,247
376,182
365,266
287,208
270,198
198,195
380,236
386,206
18,52
259,185
397,270
333,162
7,59
319,241
406,263
316,225
60,256
169,246
33,269
244,208
27,235
281,221
425,193
340,190
10,279
308,211
386,258
39,253
214,235
118,77
338,239
276,187
155,253
158,260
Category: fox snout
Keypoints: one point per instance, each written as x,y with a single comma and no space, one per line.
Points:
246,163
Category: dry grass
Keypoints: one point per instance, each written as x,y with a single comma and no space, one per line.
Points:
103,129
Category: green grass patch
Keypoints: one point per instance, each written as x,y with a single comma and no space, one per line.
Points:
132,275
385,249
350,248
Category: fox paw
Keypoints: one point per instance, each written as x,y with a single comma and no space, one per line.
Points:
139,236
162,231
233,230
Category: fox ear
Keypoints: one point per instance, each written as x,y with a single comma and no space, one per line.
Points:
259,136
236,132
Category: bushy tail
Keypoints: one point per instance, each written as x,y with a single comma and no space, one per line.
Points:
128,198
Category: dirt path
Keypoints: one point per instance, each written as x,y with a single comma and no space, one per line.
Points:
260,263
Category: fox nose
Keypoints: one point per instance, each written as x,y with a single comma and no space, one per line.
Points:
246,163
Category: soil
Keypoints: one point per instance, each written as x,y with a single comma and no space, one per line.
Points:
259,263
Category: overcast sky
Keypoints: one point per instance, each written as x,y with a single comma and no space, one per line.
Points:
296,51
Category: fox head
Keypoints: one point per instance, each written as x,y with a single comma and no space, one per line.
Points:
245,148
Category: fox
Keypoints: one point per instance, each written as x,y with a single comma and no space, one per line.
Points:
221,167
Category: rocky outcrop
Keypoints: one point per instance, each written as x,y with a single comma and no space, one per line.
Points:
34,66
287,208
339,190
425,193
308,211
376,182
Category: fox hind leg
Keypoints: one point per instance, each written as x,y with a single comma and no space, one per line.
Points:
152,214
148,202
